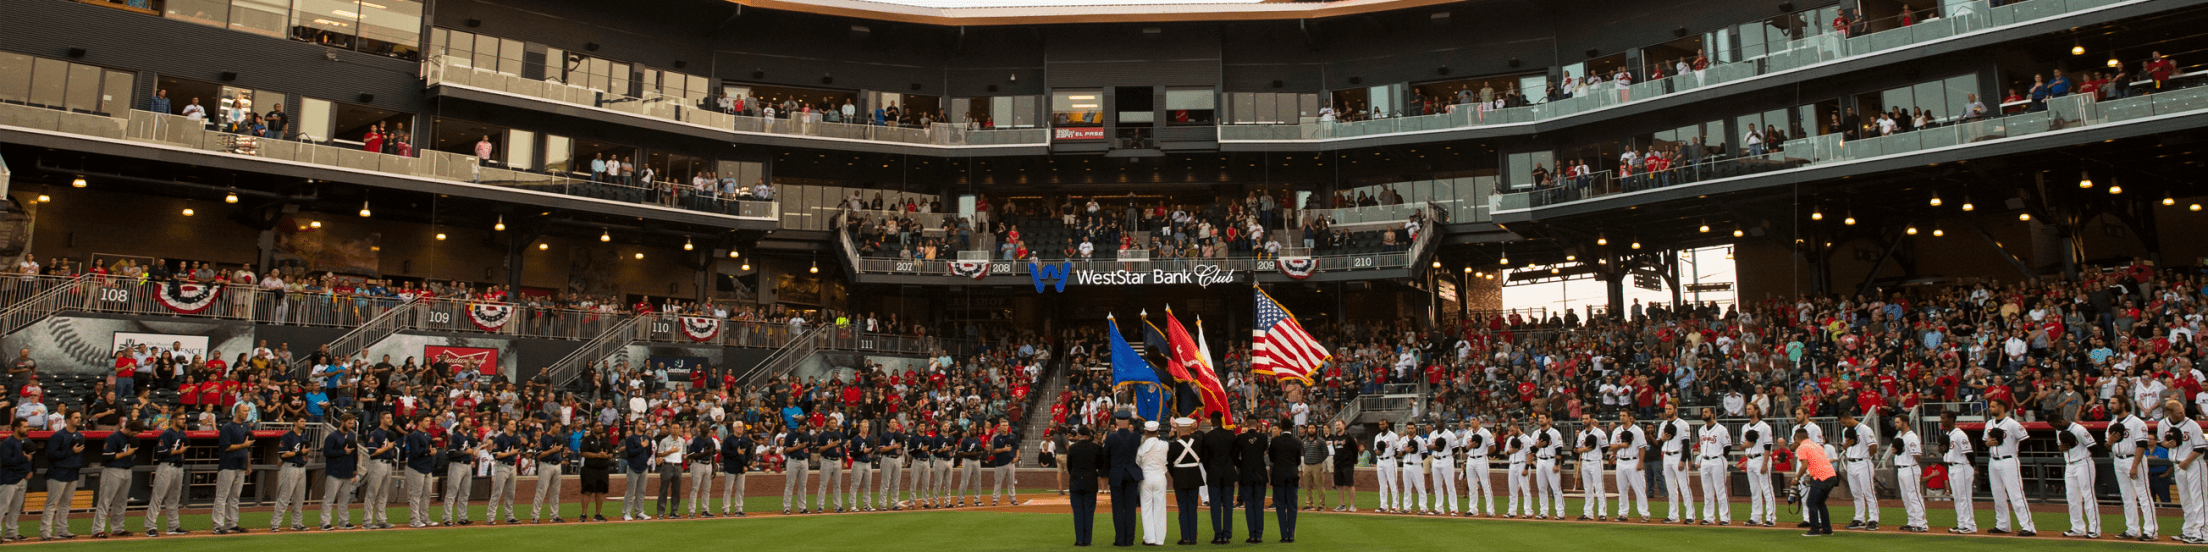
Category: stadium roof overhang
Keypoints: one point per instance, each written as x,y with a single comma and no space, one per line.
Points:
1132,12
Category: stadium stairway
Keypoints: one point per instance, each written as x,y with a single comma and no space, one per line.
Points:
1038,413
358,340
565,370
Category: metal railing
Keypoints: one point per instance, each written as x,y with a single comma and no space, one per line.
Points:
1406,257
357,341
34,298
175,130
2063,113
787,358
613,339
1782,56
437,71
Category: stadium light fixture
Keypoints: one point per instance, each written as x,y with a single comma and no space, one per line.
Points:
1737,233
1816,214
1937,232
2077,50
2024,216
639,256
188,212
1705,227
78,183
816,267
604,236
686,246
314,224
1912,230
1850,221
543,246
501,226
747,265
2085,180
232,197
2168,200
732,253
440,236
1966,204
1600,240
364,213
1935,199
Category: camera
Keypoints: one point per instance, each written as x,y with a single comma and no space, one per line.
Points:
1793,495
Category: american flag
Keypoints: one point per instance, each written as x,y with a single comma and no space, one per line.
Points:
1282,347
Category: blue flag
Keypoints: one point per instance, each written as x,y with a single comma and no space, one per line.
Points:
1127,365
1130,369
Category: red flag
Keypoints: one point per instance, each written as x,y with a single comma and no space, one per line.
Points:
1189,365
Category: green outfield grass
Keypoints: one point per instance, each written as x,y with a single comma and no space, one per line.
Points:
970,530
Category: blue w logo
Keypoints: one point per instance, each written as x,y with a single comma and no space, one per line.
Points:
1044,273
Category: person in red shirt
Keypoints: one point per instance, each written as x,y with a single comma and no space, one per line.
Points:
1840,24
2160,68
188,392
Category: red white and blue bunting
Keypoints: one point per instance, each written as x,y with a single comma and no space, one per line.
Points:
1297,267
970,269
490,316
187,298
701,328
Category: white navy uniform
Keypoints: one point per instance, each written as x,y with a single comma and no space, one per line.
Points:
2125,437
1755,447
2077,480
1961,477
1676,472
1710,458
2005,474
1597,502
1443,445
1632,485
1861,490
1547,482
1151,458
1478,488
1909,475
1383,459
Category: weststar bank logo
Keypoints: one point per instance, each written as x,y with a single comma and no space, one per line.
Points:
1045,274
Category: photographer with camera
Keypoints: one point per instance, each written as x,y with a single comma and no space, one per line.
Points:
1814,470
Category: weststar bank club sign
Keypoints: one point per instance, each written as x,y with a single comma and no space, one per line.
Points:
1058,275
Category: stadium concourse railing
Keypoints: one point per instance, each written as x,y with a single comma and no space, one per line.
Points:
1826,46
1134,260
458,72
2064,113
151,128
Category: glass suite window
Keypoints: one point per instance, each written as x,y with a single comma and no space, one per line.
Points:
1192,106
262,17
391,28
212,13
1077,108
557,153
327,22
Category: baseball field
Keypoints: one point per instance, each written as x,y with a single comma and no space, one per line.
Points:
1044,522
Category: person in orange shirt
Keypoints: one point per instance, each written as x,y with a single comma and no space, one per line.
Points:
1815,473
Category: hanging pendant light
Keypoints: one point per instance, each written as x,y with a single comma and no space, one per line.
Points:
686,246
501,226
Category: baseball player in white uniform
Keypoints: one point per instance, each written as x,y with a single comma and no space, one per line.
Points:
1627,443
2182,436
1383,457
1591,444
1477,441
2076,445
1711,444
1755,448
1411,450
1909,473
1442,444
1859,444
2128,444
1548,482
1675,435
2003,435
1519,447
